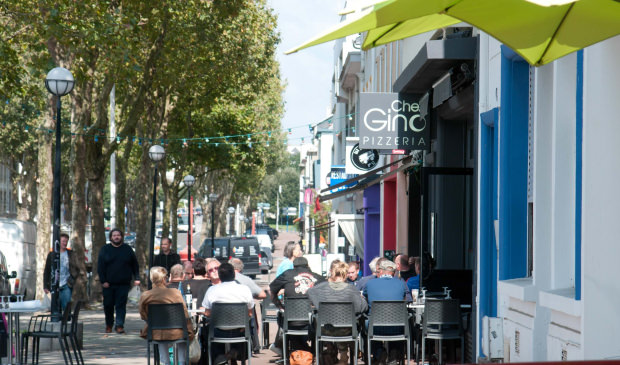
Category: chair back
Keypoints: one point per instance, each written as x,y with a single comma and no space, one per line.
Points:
66,317
266,306
389,313
166,316
296,309
337,315
76,316
228,316
441,315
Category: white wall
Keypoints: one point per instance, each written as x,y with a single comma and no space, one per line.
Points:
601,201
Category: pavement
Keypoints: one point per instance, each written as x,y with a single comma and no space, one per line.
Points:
130,349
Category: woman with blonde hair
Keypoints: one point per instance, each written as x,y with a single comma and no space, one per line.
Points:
336,289
162,295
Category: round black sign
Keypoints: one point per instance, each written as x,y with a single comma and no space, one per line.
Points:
364,159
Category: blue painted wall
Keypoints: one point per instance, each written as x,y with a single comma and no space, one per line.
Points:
578,172
513,133
487,298
372,224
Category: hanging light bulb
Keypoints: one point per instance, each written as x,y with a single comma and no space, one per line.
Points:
118,139
207,140
250,144
184,143
249,137
267,144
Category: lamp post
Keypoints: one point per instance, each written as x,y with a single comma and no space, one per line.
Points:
58,82
156,154
212,198
231,211
189,182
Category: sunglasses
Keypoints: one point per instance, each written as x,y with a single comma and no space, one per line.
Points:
213,269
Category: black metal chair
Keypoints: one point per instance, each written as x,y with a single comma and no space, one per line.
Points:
164,317
442,321
392,319
296,310
268,314
230,316
73,335
332,316
42,330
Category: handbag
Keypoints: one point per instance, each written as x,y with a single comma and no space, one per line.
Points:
194,350
134,295
301,357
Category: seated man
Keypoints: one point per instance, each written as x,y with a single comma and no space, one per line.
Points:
199,283
337,289
386,287
176,278
228,291
295,283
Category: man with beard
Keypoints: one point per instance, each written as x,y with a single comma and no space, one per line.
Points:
117,268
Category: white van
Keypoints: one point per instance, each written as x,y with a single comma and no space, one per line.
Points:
17,242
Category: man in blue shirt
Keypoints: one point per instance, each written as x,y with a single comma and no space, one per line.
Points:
386,287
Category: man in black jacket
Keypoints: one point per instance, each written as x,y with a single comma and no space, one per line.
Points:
117,268
166,258
295,282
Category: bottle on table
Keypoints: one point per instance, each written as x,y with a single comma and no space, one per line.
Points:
188,297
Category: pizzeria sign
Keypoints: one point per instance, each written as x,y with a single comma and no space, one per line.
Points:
392,121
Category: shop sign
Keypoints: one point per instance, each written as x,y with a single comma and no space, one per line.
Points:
337,175
360,160
392,121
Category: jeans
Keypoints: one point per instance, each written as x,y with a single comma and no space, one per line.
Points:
164,357
65,296
115,297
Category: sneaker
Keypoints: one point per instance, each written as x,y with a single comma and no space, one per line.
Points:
275,350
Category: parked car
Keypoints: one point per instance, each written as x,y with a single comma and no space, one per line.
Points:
5,284
17,242
245,248
130,239
266,260
220,245
264,241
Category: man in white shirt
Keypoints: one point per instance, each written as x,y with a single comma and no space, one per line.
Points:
228,291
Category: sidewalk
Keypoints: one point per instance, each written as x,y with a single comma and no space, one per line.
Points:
130,349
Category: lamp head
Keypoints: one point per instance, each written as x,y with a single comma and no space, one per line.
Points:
213,197
189,181
59,81
156,153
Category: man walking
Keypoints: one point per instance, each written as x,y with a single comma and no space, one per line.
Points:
117,267
166,257
68,272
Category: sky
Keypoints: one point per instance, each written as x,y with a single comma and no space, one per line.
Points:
307,73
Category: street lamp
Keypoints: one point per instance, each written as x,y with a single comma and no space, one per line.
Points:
156,154
231,211
189,182
212,199
58,82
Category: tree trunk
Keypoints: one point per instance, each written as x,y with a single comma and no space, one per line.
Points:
143,227
98,231
44,197
78,223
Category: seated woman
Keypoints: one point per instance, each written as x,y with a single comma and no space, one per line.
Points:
338,290
162,295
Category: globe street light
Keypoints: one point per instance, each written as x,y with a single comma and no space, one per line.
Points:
58,82
231,211
156,154
189,182
212,199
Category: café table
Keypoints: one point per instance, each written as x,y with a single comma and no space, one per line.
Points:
12,314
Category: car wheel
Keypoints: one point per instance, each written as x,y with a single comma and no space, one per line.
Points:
253,276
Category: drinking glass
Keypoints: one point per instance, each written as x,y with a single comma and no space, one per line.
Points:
414,294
